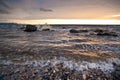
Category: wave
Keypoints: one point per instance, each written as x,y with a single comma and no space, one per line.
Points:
106,67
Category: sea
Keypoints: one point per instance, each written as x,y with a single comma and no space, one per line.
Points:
76,50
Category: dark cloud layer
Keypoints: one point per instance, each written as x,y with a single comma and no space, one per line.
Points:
46,10
4,7
4,11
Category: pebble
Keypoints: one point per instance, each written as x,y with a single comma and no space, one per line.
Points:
57,72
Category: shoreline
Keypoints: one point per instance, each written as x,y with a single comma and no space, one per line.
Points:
62,69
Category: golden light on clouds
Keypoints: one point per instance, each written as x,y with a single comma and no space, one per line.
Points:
118,15
60,11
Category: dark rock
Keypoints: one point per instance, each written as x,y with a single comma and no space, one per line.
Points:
47,29
78,40
107,34
99,30
30,28
77,31
114,64
83,30
74,31
118,73
22,27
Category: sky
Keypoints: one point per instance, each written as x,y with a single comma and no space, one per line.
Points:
60,11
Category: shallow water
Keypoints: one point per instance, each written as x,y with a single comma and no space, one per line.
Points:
17,46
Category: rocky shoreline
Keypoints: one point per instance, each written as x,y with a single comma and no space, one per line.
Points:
61,69
57,72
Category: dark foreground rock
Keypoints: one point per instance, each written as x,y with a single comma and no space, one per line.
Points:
30,28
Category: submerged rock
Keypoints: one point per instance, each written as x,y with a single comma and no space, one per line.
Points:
77,31
83,30
30,28
74,31
22,28
47,29
107,34
99,30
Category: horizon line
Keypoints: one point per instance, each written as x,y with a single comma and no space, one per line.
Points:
65,21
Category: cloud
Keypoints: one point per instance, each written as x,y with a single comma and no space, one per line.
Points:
116,16
56,9
46,10
4,7
4,4
4,11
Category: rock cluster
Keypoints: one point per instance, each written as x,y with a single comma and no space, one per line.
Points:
101,32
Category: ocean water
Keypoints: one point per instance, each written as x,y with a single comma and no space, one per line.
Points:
75,50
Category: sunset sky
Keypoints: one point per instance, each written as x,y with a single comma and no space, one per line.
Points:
60,11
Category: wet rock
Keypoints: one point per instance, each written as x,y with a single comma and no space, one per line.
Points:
107,34
78,40
47,29
99,30
74,31
77,31
83,30
22,28
30,28
117,71
84,76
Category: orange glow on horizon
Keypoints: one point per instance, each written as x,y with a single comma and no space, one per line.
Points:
67,21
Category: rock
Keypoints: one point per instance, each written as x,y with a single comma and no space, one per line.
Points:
118,72
22,27
77,31
99,30
107,34
84,76
74,31
30,28
78,40
114,64
83,30
47,29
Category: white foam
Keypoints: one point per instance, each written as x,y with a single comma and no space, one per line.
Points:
71,64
